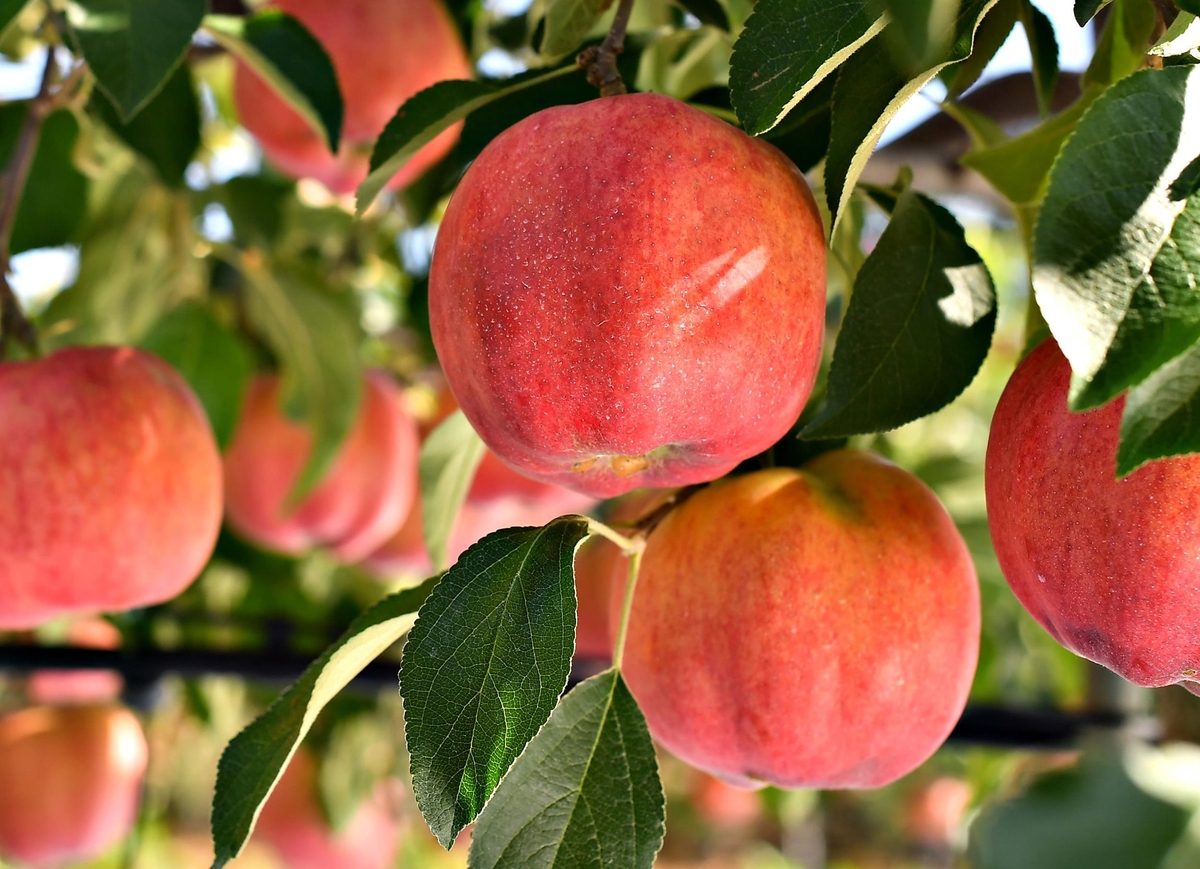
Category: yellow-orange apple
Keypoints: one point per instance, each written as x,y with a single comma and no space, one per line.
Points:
383,52
110,484
627,293
1109,567
293,823
812,628
70,782
361,501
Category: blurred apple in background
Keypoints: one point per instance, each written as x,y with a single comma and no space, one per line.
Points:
293,823
383,52
110,484
70,782
362,499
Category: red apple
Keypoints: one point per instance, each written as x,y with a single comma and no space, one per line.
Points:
813,628
383,51
80,686
70,782
111,484
1109,567
363,497
934,812
294,825
724,805
629,293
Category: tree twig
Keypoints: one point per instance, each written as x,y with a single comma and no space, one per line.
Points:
601,61
12,182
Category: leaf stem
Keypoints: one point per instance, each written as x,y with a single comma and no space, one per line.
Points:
628,545
635,566
12,182
601,61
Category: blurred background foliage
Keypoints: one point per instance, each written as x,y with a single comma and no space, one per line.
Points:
159,232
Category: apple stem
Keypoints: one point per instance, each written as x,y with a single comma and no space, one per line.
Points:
13,321
601,61
635,565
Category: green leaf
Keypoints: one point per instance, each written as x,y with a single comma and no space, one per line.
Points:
166,131
1043,47
1187,182
804,135
255,205
316,342
1123,43
449,458
9,10
132,46
1163,316
585,793
291,60
54,201
920,32
709,12
1085,10
214,361
427,114
866,85
1089,817
851,147
255,759
1182,38
485,664
1019,168
787,48
136,261
1106,217
1162,414
568,23
992,34
918,328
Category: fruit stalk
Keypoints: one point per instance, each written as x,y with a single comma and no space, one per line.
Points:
601,61
12,319
635,565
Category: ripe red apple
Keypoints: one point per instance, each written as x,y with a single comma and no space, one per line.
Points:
70,782
294,825
629,293
1107,566
383,51
80,686
363,497
110,484
812,628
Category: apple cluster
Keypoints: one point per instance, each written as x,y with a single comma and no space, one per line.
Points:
626,294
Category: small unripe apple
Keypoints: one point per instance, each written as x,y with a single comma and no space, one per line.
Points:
110,484
383,52
812,628
80,686
294,825
629,293
70,782
361,501
1109,567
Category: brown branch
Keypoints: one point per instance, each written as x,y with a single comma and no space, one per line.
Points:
601,61
12,319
